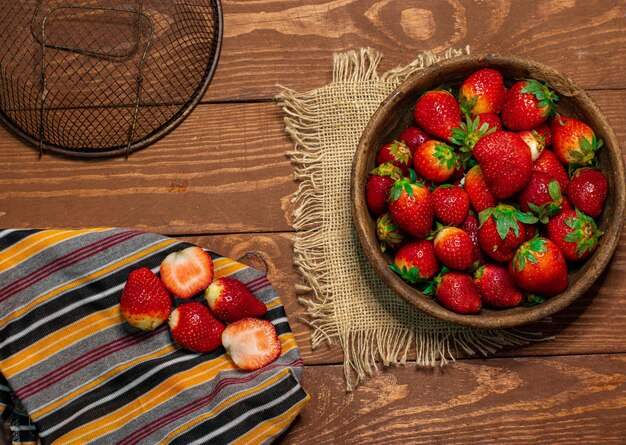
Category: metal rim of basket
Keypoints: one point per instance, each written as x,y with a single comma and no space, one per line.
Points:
160,132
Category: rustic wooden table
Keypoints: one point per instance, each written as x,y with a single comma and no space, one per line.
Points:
222,180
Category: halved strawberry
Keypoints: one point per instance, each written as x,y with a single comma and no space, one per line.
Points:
194,327
251,343
187,272
145,303
230,300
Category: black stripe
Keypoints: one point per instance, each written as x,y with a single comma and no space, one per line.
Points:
14,237
119,381
65,299
240,408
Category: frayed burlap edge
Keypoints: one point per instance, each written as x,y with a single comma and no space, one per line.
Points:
362,349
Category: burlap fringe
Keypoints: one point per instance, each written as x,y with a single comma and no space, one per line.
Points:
362,349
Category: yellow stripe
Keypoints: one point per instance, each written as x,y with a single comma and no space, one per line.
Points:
99,273
230,401
225,267
166,390
35,243
273,304
110,374
59,340
267,429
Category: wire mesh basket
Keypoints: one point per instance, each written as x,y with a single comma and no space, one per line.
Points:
95,78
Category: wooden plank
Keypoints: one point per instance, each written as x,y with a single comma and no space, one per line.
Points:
594,324
224,170
526,401
291,42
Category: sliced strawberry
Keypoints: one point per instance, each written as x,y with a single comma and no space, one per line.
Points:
251,343
194,327
230,300
145,303
187,272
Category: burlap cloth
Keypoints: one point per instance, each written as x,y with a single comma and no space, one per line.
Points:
348,303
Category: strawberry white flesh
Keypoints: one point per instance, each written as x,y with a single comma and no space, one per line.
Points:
251,343
187,272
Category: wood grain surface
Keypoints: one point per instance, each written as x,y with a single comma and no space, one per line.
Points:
291,42
521,401
222,180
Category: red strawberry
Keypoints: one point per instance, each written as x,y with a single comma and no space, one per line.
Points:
542,196
502,231
491,119
548,163
397,153
435,161
466,136
454,248
457,292
497,287
535,142
411,207
506,162
575,233
482,92
574,142
230,300
539,267
415,261
187,272
587,191
437,112
413,137
251,343
145,303
470,226
477,190
566,204
451,205
528,104
378,186
388,232
532,230
195,328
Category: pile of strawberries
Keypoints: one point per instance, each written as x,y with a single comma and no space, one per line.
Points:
488,198
146,303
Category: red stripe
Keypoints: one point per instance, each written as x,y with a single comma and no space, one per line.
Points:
82,361
63,262
159,423
253,282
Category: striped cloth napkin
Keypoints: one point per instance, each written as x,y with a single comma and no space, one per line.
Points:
83,375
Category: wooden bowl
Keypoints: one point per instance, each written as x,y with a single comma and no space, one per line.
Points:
395,114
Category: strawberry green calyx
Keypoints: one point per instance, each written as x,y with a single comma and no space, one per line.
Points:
400,151
468,134
387,169
548,210
506,218
526,253
533,300
445,154
411,275
586,155
467,105
584,233
404,184
544,95
389,234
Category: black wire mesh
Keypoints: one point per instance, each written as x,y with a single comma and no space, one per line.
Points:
94,78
